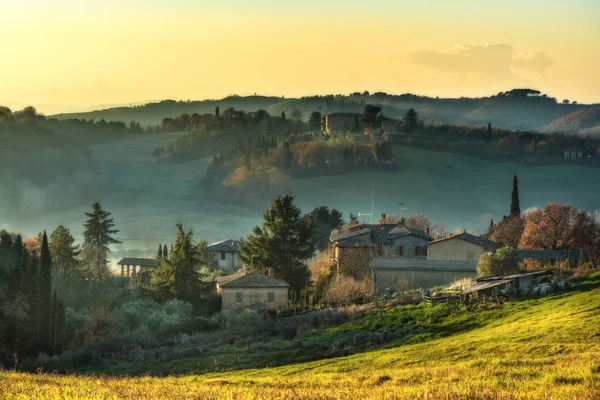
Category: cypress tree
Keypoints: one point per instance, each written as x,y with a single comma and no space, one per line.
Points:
217,112
165,252
515,207
52,329
283,115
489,132
44,295
160,252
59,335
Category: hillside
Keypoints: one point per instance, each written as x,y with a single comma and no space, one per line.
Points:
515,109
539,348
587,119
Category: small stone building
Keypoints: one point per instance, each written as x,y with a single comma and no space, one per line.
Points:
338,123
131,267
226,253
247,289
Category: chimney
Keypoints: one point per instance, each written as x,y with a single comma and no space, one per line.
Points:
270,272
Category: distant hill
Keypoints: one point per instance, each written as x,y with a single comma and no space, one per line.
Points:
586,120
514,109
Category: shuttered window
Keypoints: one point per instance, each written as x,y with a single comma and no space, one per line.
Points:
270,297
417,250
400,250
239,297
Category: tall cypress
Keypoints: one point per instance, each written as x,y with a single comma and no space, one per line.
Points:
53,323
165,253
489,132
44,295
515,207
160,252
59,335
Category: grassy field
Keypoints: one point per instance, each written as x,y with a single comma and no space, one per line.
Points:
546,348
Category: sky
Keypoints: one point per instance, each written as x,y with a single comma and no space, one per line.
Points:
62,55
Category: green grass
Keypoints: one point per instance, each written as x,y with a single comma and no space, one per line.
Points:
539,348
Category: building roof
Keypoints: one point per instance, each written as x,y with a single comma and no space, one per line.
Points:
356,241
401,231
228,245
486,285
250,279
348,234
141,262
424,264
469,238
515,276
552,254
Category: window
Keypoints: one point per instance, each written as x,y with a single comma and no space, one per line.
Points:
239,297
223,255
425,251
400,251
417,250
270,297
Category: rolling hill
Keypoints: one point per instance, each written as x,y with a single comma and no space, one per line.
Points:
586,120
538,348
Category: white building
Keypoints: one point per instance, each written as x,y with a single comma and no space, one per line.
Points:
574,153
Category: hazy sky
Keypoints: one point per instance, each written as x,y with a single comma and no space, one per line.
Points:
89,52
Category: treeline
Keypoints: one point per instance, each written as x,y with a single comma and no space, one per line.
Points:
32,317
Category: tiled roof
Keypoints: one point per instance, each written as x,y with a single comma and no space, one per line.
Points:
345,235
250,279
469,238
228,245
423,264
401,231
485,285
380,236
552,254
141,262
357,241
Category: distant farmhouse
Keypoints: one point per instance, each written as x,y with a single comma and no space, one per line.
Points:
226,253
574,153
337,124
252,290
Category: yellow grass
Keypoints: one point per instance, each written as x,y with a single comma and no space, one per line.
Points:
540,349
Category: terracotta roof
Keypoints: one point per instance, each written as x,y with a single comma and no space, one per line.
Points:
469,238
406,263
141,262
401,231
228,245
250,279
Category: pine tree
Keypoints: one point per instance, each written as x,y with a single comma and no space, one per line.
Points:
515,207
44,295
97,236
284,243
335,218
63,250
410,120
177,277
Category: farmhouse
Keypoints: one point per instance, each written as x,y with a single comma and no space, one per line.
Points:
132,264
338,123
396,273
226,253
385,240
462,246
248,289
573,153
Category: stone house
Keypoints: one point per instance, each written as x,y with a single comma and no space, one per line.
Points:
337,124
226,253
364,242
253,290
462,246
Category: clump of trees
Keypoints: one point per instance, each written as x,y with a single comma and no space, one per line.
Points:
504,261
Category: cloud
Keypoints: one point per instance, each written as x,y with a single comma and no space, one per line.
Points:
490,61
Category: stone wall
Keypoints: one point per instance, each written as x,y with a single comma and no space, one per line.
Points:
454,249
253,296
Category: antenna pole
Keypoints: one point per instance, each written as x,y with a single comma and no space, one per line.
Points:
372,199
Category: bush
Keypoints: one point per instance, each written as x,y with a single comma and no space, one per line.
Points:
344,289
503,262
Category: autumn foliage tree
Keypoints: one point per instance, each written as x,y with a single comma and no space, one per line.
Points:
558,227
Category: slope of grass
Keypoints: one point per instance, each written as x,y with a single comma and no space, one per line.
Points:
539,349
